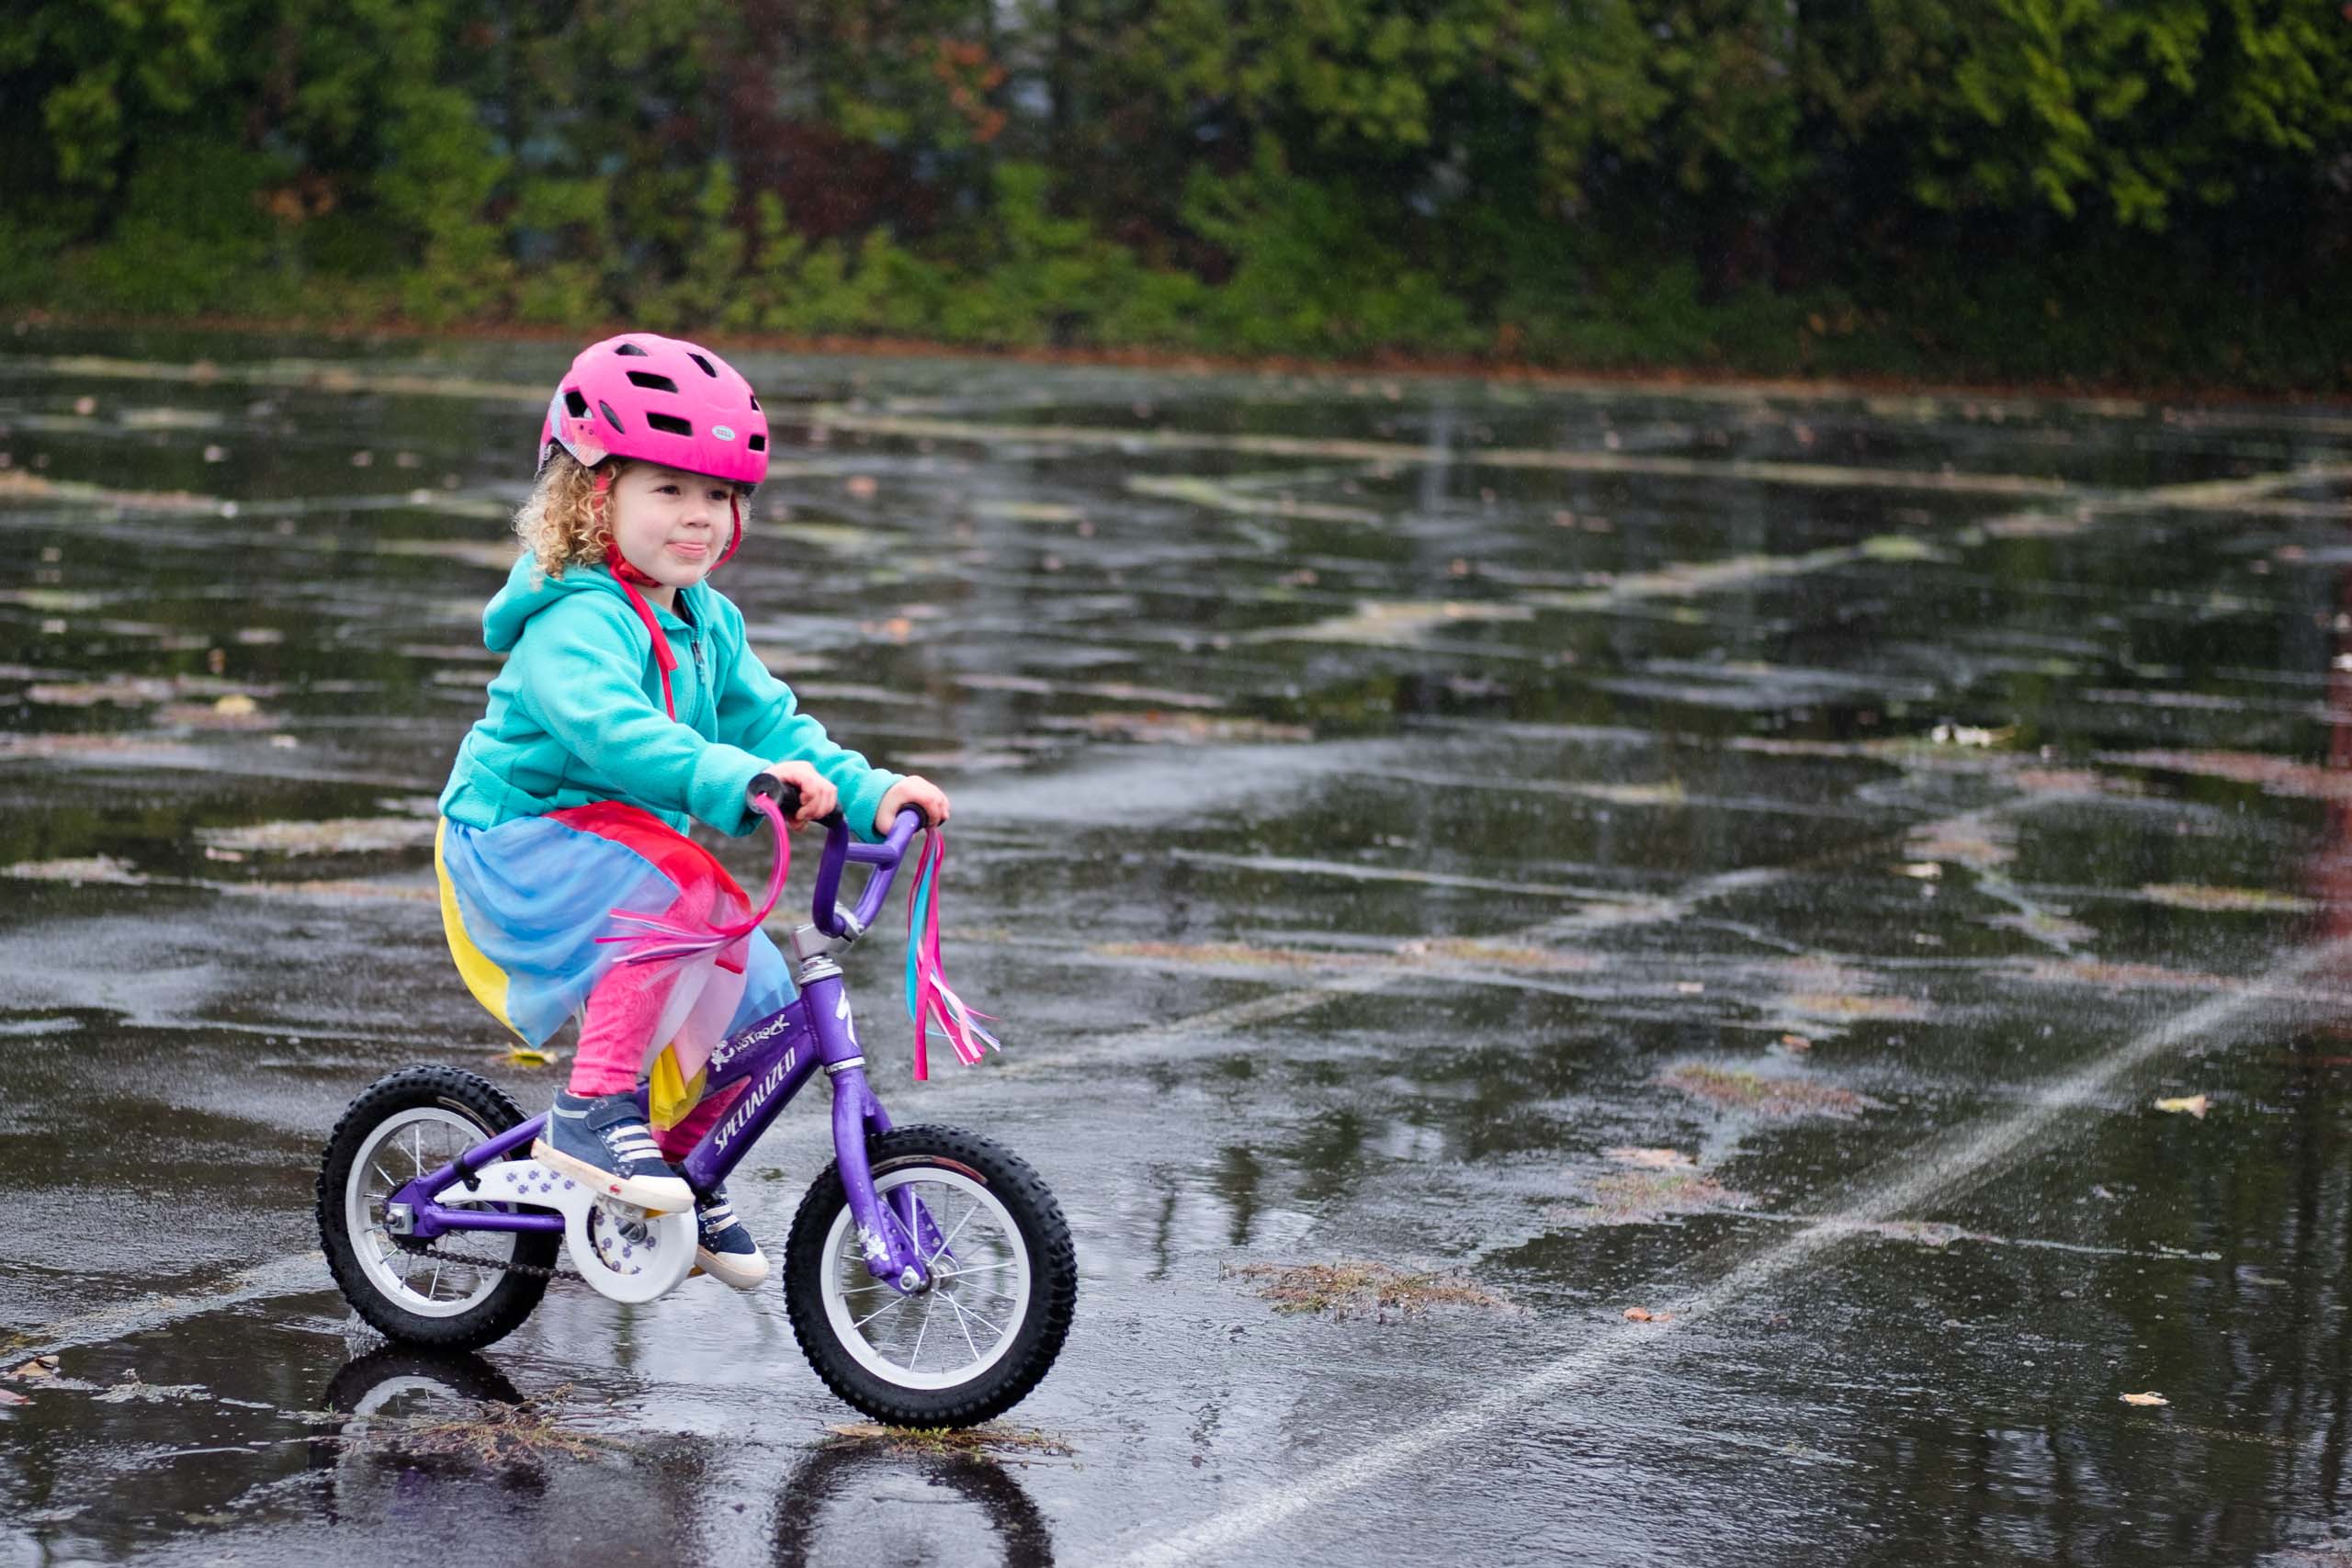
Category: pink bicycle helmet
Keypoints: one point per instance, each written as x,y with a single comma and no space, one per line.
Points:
662,400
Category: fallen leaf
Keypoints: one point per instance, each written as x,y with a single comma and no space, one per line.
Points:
236,705
1644,1315
1796,1043
531,1055
9,1396
862,486
2195,1104
1926,870
2145,1399
39,1367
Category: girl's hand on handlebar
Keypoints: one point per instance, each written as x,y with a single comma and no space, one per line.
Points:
916,791
817,796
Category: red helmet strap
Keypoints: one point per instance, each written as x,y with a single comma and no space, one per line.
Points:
630,580
735,508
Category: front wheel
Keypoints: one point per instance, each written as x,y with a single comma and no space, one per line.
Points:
1004,1282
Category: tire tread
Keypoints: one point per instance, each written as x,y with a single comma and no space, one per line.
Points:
1053,1259
512,1300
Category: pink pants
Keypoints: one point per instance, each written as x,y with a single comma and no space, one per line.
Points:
616,1026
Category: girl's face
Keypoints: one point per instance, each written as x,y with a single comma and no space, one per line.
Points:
673,526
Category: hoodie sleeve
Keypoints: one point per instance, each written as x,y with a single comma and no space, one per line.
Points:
585,690
759,713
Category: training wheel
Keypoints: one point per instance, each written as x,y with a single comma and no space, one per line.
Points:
623,1251
627,1253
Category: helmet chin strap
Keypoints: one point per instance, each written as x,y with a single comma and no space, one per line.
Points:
631,580
734,510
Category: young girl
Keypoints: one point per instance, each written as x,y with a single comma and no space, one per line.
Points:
627,705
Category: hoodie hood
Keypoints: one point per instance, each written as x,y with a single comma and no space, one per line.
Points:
529,590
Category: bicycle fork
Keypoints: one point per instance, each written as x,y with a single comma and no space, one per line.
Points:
900,1240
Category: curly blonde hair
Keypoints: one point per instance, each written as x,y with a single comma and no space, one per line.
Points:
557,523
561,525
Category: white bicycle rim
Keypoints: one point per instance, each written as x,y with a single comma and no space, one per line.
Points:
967,1322
401,1148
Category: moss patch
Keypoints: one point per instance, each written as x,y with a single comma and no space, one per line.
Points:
340,836
1645,1197
2227,900
1357,1289
1778,1099
490,1433
2274,775
990,1438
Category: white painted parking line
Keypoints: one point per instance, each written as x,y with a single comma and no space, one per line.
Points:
1916,1178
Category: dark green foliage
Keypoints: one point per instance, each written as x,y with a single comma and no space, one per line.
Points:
2070,188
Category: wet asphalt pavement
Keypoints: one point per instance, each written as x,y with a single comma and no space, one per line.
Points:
1813,931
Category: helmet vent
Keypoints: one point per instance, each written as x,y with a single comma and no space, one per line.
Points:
707,368
755,400
611,418
651,381
574,404
669,424
758,443
631,350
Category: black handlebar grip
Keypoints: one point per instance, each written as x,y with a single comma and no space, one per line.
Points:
786,795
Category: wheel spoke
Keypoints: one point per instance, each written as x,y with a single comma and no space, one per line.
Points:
977,1314
1000,1295
877,1312
963,1321
914,1358
945,1241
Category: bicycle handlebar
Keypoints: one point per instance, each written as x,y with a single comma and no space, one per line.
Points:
840,851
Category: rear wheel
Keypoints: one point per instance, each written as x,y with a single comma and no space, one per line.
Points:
1003,1292
399,1128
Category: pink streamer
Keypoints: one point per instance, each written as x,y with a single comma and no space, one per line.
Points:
930,997
660,939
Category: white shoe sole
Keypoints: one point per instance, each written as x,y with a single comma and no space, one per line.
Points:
732,1268
656,1194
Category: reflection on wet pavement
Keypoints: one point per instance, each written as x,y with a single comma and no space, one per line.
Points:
1754,859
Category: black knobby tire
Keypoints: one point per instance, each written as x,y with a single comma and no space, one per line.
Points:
1052,1286
488,1107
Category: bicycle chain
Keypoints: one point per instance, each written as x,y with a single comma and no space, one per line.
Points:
504,1265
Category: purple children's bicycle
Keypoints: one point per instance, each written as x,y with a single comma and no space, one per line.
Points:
929,1276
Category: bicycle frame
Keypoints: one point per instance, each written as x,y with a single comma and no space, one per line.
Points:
773,1059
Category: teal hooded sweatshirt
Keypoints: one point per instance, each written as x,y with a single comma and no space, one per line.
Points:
576,718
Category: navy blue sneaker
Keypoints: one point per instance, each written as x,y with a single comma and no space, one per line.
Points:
605,1143
724,1248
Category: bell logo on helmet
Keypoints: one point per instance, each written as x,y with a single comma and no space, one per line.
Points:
724,432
